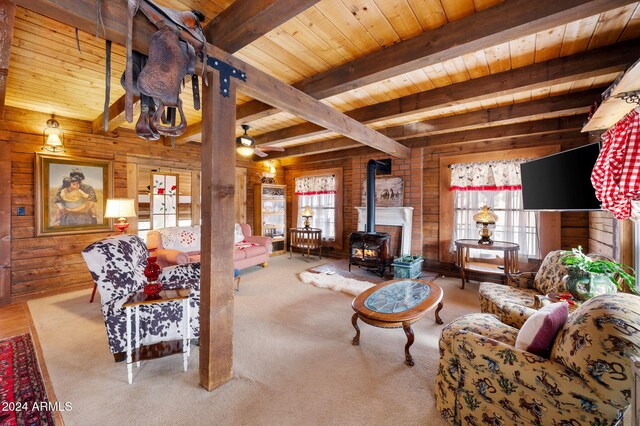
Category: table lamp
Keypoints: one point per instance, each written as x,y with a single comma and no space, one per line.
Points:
307,213
121,209
485,221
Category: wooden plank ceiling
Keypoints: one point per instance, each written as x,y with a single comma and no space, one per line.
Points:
546,69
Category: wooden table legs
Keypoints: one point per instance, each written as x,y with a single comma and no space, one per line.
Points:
356,339
407,331
408,359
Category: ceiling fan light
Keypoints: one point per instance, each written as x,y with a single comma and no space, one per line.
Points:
245,151
246,140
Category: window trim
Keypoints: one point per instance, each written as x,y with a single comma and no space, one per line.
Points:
549,221
337,172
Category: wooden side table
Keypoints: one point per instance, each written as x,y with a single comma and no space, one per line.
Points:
139,299
305,239
509,250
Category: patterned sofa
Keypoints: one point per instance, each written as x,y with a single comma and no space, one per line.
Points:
514,302
181,244
483,379
117,267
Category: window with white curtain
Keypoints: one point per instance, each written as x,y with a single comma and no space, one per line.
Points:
319,193
496,184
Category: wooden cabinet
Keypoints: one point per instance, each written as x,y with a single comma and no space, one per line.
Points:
270,215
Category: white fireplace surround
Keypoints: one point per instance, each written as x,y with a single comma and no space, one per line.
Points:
392,216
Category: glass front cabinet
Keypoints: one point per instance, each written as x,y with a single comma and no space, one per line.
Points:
270,215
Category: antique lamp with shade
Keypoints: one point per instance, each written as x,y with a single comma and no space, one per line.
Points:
53,137
307,213
485,221
121,209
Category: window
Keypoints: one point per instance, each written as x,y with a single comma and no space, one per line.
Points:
165,202
322,191
513,224
496,184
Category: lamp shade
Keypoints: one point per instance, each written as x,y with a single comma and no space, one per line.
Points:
307,212
119,208
53,137
486,216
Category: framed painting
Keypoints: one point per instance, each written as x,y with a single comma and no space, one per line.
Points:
389,192
71,194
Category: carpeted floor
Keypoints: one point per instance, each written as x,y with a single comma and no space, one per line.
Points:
293,361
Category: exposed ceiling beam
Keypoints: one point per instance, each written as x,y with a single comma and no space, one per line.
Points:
259,84
539,127
116,115
592,63
493,26
8,12
247,20
516,141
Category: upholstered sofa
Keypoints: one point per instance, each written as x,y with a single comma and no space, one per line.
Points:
117,267
483,379
181,245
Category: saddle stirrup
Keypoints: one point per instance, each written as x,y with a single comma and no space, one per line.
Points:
170,130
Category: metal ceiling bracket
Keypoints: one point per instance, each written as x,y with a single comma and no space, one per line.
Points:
226,72
631,97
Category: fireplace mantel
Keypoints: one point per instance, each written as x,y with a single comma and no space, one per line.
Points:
392,216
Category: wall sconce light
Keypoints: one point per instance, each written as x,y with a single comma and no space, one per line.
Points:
53,137
245,143
272,167
307,213
485,222
121,209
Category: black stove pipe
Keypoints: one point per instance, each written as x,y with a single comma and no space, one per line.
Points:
372,166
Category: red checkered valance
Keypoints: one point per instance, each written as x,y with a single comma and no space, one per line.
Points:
616,174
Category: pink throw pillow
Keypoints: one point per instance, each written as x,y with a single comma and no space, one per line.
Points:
539,331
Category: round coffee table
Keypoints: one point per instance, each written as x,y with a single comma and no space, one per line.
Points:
394,304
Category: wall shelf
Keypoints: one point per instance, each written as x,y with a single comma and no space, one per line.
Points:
613,107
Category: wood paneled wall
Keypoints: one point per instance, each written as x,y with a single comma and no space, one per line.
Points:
602,234
45,265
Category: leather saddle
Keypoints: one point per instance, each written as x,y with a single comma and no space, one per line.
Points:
158,79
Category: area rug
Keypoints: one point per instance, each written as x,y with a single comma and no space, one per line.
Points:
335,282
22,393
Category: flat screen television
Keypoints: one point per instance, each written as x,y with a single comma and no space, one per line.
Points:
561,182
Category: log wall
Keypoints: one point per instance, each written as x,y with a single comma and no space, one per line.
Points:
50,264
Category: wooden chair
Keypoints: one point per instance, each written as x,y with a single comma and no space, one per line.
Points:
305,239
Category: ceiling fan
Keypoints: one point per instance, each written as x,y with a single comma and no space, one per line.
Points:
246,145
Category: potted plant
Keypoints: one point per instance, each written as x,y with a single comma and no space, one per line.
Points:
407,266
589,277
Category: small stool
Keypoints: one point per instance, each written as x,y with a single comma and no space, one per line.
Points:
236,276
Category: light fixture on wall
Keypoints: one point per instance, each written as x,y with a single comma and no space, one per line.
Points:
53,137
307,213
245,143
272,167
121,209
485,221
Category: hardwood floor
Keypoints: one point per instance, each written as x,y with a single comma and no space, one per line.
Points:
16,319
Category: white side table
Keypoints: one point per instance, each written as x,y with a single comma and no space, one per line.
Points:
139,299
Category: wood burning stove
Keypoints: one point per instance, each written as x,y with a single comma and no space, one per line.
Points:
369,248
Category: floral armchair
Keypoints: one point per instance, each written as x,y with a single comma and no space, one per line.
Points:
117,267
483,379
515,302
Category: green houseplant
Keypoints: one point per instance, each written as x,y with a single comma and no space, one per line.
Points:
589,277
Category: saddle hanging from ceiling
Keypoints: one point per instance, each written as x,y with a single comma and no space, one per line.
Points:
158,78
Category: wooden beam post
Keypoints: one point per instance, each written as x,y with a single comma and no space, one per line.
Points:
216,276
5,218
7,17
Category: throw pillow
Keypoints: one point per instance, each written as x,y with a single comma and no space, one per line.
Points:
238,236
539,331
